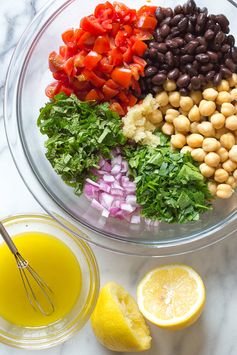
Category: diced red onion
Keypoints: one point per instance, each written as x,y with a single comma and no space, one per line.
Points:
108,178
92,182
116,169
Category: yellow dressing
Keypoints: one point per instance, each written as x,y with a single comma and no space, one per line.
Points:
54,262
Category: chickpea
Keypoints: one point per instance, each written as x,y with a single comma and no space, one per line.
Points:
178,140
210,144
231,122
162,98
227,109
198,154
207,108
230,181
224,191
194,127
210,94
186,149
217,120
223,86
223,154
206,129
182,112
222,97
164,109
167,128
233,153
212,187
195,140
196,96
233,94
156,117
229,165
212,159
169,85
186,103
227,140
171,114
174,98
235,174
220,132
194,114
233,80
206,170
221,175
182,123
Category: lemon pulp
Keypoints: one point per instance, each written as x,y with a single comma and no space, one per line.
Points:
54,262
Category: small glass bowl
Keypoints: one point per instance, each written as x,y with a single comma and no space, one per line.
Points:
63,329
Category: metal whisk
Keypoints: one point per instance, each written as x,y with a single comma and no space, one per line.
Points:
30,279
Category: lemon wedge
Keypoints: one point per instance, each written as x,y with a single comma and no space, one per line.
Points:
171,296
117,321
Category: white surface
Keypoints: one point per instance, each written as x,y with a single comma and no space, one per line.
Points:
213,334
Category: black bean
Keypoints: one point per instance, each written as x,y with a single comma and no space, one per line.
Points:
196,83
161,47
165,30
171,44
159,79
173,74
191,6
220,36
159,14
196,65
234,54
184,91
166,21
176,51
190,27
165,67
190,70
176,61
212,56
231,40
209,34
160,57
176,19
217,28
168,12
202,58
152,53
226,72
163,71
179,41
193,19
150,71
158,36
157,89
203,79
178,9
206,68
225,48
217,79
153,44
230,65
201,19
201,40
169,58
188,37
182,25
175,33
204,10
187,58
210,75
183,81
191,46
223,21
185,9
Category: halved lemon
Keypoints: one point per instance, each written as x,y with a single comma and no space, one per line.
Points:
171,296
117,322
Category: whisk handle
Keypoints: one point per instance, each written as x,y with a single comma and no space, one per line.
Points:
8,239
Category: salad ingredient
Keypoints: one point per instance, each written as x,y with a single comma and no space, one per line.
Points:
55,263
113,194
117,321
101,60
201,126
169,186
78,134
171,296
141,120
190,46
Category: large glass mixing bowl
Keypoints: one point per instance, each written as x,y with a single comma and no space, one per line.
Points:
27,78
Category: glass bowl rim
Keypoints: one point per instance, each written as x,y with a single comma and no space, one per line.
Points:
197,240
91,298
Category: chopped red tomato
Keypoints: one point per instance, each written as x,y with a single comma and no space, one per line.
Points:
91,60
101,60
102,45
115,106
139,48
52,89
122,76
